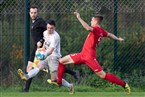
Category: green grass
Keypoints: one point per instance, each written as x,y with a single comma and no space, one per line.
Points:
66,94
80,91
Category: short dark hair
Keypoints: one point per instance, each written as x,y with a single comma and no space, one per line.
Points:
51,22
99,17
33,6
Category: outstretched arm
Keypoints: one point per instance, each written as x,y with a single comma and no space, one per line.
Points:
112,36
84,24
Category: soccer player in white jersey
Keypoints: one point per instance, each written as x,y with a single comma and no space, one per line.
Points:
52,46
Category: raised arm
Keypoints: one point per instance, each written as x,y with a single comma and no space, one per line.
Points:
112,36
84,24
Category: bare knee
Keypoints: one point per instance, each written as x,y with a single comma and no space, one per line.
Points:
66,60
61,60
101,74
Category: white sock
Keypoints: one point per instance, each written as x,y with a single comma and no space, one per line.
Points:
33,72
66,83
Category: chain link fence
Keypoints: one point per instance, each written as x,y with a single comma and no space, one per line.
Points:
124,18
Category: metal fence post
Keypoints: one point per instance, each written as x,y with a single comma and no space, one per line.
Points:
115,31
26,33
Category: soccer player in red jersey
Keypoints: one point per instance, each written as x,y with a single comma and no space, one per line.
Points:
88,53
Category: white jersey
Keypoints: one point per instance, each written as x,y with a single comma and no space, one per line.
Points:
53,40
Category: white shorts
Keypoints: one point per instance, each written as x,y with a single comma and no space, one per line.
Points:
51,62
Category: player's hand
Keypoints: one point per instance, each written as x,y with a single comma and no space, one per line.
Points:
39,44
77,14
120,39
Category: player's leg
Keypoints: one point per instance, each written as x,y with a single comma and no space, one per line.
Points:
64,83
29,67
68,85
75,74
36,70
111,78
31,59
29,81
27,85
95,66
53,66
31,73
61,67
69,59
114,79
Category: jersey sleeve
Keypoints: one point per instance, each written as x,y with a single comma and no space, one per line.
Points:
44,35
100,30
105,33
53,43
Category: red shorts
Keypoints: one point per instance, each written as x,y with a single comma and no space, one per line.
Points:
80,58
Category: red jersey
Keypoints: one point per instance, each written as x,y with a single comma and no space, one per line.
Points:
93,40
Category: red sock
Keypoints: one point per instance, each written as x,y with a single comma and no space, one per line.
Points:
115,80
61,69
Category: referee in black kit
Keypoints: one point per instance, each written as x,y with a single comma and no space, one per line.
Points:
37,29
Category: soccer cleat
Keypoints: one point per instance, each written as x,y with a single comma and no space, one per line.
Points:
45,70
53,82
71,89
22,75
128,90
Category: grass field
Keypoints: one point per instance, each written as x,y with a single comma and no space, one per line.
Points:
80,91
66,94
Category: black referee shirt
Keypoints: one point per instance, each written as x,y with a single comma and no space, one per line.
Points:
37,29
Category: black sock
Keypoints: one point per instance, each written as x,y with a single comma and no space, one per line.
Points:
71,72
27,85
